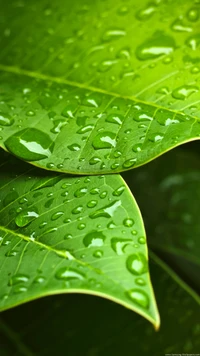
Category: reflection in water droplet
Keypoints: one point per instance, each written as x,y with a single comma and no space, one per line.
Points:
156,46
104,140
137,264
30,144
26,216
184,92
107,211
94,239
68,273
139,297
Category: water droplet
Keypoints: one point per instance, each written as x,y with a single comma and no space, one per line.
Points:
98,254
103,194
80,192
104,140
94,239
157,137
94,160
93,100
30,144
113,34
85,129
146,13
156,46
137,264
140,281
184,92
94,191
39,280
81,226
142,240
57,215
128,222
26,216
58,125
74,147
164,119
115,119
139,297
137,147
77,210
92,203
119,244
70,109
11,253
19,289
18,278
107,211
179,26
193,15
130,163
117,192
193,42
5,119
68,273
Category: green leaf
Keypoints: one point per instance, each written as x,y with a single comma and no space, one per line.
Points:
61,234
98,87
86,326
172,186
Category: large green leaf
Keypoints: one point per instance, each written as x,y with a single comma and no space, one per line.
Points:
170,207
86,326
61,234
98,86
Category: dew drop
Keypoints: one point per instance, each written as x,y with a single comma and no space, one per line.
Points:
5,119
94,239
156,137
30,144
57,215
93,100
115,119
92,203
26,216
103,140
113,34
137,264
183,92
98,254
80,192
119,244
128,222
139,297
117,192
107,211
130,163
142,240
74,147
18,278
67,273
155,47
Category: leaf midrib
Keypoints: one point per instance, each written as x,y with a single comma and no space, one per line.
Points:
36,75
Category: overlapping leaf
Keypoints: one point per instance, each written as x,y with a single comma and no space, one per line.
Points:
98,87
170,207
61,234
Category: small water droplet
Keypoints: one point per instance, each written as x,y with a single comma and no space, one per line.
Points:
68,273
98,254
179,26
140,281
130,163
128,222
5,119
113,34
80,192
74,147
57,215
142,240
157,137
92,100
117,192
77,210
18,278
94,160
92,203
115,119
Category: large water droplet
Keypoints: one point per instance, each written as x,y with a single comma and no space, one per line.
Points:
139,297
184,91
94,239
104,140
18,278
137,264
68,273
156,46
30,144
107,211
115,119
26,216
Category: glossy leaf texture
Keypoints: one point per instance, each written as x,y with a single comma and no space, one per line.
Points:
109,329
62,234
170,208
103,86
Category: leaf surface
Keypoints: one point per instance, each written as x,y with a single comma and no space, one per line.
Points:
61,234
98,87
